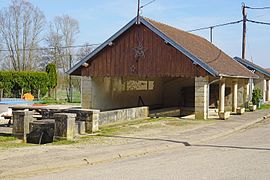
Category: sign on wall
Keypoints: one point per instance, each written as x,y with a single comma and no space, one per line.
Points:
133,85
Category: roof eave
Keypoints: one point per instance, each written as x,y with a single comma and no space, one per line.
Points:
240,77
250,65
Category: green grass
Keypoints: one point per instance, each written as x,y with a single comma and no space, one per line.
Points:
8,141
63,142
62,98
4,139
265,106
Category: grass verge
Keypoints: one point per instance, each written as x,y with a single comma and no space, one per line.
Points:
128,127
8,141
265,106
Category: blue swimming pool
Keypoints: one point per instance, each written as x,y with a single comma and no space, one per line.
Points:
16,101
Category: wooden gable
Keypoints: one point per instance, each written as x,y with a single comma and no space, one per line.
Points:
142,53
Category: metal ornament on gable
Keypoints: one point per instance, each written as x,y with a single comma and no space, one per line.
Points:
139,50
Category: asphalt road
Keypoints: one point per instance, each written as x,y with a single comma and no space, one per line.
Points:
242,155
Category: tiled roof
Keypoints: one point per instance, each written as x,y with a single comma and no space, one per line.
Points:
204,50
252,66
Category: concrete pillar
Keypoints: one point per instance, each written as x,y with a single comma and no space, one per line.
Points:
268,90
264,90
86,92
64,126
201,97
21,121
221,95
234,95
246,95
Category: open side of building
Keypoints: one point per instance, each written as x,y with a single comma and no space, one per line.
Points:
156,65
263,82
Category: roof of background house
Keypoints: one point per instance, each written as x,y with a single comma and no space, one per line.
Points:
198,49
253,66
267,69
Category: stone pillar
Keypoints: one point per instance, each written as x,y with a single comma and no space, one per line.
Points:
221,95
21,121
268,90
201,97
234,95
86,92
91,118
64,126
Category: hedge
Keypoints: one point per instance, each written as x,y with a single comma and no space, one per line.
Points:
31,82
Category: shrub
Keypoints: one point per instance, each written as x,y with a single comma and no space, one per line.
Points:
29,81
256,96
52,75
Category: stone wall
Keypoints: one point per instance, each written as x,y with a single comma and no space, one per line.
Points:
113,116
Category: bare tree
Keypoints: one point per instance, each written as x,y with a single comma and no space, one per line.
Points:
62,36
21,25
84,50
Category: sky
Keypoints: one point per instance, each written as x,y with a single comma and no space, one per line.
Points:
100,19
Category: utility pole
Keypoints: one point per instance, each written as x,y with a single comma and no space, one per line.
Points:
211,34
69,81
138,12
244,30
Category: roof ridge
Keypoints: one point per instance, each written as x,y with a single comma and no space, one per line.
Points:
190,34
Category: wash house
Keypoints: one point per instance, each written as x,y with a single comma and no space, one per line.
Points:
148,63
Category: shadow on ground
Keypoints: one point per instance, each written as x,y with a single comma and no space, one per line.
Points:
188,144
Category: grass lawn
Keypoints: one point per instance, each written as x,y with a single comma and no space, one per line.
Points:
8,141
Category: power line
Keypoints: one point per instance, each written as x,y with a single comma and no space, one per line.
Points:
52,48
214,26
258,22
257,8
147,4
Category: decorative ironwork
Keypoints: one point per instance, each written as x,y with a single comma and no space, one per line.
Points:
139,51
132,68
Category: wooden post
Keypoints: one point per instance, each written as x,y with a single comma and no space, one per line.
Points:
38,94
138,12
1,94
244,30
22,93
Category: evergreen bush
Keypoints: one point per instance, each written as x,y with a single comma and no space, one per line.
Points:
28,81
256,96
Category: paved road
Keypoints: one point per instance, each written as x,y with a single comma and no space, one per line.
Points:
243,155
